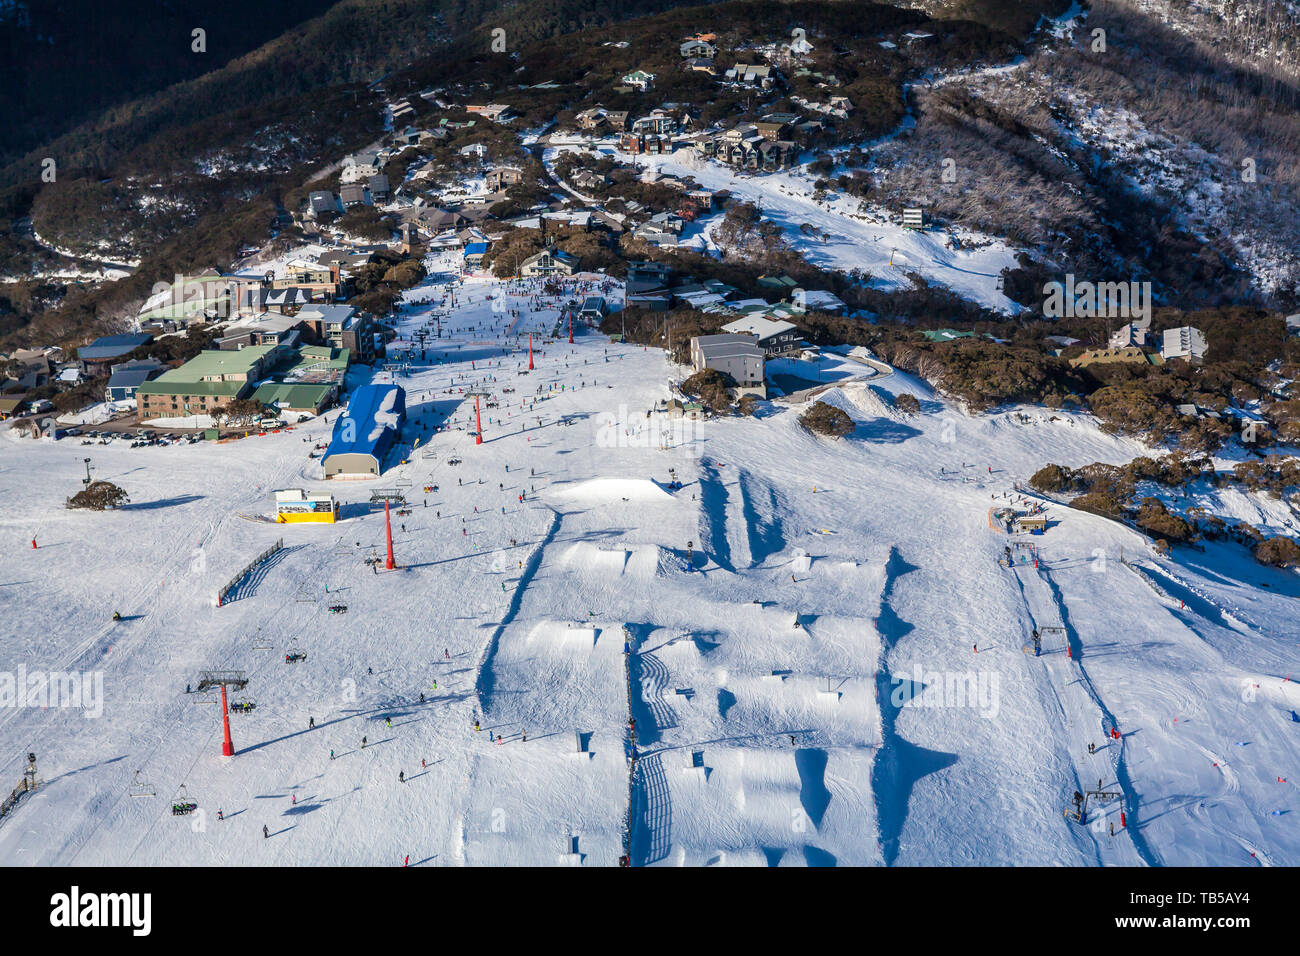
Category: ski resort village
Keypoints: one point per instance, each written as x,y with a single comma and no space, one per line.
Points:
610,450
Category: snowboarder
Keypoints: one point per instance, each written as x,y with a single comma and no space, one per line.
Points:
117,615
363,743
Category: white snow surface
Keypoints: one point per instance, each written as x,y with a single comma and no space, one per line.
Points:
902,722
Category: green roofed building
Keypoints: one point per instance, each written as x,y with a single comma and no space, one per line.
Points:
303,399
946,335
210,379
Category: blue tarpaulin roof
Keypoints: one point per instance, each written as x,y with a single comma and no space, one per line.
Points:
371,423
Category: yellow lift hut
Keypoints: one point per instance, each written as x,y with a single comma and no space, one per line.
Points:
294,505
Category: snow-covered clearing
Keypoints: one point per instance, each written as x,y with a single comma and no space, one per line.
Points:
845,238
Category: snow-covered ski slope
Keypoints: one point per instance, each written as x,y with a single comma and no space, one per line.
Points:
872,733
845,238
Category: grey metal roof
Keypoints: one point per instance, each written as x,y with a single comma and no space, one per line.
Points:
111,346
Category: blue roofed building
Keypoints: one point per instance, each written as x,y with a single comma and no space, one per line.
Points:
366,432
474,253
99,355
128,377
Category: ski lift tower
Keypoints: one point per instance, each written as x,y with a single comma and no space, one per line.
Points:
389,563
223,679
478,416
530,351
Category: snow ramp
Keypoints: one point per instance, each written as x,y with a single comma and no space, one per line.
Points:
643,561
613,491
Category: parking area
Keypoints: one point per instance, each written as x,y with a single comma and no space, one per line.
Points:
126,428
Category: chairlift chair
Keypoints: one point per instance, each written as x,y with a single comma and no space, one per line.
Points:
141,788
183,804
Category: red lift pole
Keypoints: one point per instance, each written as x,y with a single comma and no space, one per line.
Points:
570,328
390,565
478,423
209,680
227,746
530,351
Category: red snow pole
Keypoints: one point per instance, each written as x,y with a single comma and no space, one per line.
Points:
227,747
530,351
570,328
478,418
390,565
1123,820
